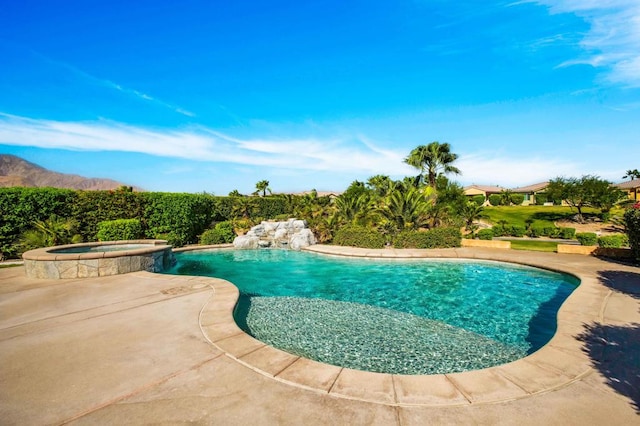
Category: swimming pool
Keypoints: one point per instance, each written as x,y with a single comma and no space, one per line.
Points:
395,316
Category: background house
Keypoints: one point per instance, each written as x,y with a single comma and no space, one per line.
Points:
632,188
485,190
531,192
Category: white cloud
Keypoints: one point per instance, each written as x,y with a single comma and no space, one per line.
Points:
613,40
202,144
488,169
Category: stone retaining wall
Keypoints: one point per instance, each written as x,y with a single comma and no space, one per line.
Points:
46,263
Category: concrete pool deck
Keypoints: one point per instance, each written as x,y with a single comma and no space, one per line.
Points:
144,348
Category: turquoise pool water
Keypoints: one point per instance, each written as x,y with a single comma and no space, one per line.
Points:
420,316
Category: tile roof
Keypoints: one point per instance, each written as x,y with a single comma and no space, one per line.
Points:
630,184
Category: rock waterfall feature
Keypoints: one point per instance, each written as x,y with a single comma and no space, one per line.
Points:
292,234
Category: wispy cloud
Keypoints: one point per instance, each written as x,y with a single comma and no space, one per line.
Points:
491,169
203,144
111,85
613,40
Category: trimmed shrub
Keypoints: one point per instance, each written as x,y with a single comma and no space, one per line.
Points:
517,199
179,217
613,241
479,199
485,234
433,238
587,238
632,222
544,231
500,230
495,200
358,236
222,233
541,199
567,233
518,231
120,229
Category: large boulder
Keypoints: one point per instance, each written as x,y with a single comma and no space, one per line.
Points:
302,238
246,242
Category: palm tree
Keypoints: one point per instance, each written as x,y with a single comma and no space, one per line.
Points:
433,159
353,208
632,174
50,232
471,212
408,209
263,186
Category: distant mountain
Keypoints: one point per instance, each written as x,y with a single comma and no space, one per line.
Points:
14,171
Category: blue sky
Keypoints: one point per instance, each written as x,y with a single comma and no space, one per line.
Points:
216,95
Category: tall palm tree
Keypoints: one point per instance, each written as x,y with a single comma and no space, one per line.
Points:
632,174
432,160
263,186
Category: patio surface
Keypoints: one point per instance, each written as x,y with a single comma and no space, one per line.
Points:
145,348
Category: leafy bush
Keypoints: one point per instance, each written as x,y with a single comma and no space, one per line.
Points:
485,234
517,199
178,217
544,231
120,229
541,198
21,207
518,231
567,233
433,238
479,199
358,236
222,233
495,200
613,241
632,222
587,238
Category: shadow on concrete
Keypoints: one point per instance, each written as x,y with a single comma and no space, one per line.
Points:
615,353
615,350
622,281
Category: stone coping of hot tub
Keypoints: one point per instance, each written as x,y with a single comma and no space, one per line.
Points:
558,364
52,253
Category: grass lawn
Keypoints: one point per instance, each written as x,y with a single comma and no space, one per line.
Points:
10,265
534,245
541,215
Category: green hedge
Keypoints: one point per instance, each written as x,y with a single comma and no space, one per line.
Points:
222,233
485,234
587,238
479,199
567,233
358,236
613,241
21,207
433,238
495,200
120,229
517,199
632,222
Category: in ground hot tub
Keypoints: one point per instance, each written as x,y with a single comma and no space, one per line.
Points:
98,259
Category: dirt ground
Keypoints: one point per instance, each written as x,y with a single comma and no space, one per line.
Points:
599,228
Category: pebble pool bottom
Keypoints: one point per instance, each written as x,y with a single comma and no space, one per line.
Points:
399,316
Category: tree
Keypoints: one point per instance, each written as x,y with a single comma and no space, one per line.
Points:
263,186
433,159
471,212
409,208
382,185
51,232
587,191
235,193
632,174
